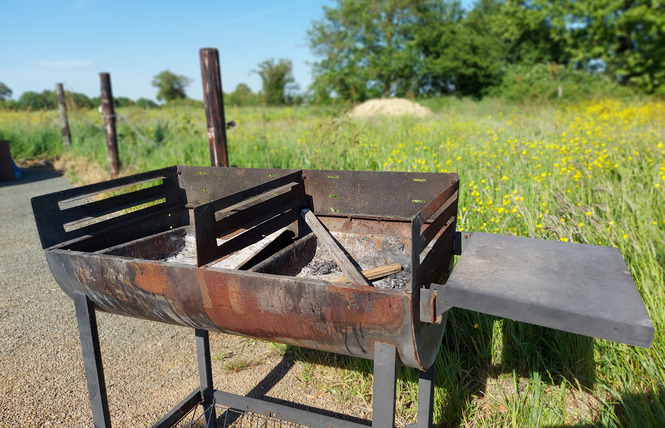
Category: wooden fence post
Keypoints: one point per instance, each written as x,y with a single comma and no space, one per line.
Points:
109,122
211,79
62,107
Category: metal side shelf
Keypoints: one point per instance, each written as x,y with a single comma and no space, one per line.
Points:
583,289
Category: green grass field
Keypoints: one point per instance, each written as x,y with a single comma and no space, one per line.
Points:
591,173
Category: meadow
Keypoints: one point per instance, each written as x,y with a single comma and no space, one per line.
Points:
592,173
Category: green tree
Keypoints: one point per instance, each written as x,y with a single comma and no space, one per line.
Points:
122,102
431,39
526,32
470,52
623,38
170,86
464,54
146,103
5,92
37,100
277,80
367,48
77,100
242,96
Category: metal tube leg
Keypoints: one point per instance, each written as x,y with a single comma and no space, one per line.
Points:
92,360
426,397
205,375
385,378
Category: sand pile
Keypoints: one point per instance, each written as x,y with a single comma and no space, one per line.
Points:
389,107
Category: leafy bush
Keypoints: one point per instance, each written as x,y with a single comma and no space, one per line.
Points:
184,102
544,82
76,100
122,102
38,101
145,103
242,96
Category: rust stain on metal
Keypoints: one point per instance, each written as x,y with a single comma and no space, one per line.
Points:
150,278
236,297
370,308
235,307
206,299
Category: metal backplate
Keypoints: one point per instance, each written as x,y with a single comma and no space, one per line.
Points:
579,288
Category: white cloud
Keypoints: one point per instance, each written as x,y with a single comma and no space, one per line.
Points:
61,63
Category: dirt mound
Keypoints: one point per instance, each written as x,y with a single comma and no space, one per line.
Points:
389,107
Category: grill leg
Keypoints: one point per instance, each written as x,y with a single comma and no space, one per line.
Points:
205,375
426,397
383,394
92,360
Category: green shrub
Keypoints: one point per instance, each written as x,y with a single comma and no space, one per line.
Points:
551,82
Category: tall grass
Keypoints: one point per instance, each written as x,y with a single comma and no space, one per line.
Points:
590,173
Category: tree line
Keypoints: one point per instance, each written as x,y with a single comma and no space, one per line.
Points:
46,100
368,49
279,88
514,49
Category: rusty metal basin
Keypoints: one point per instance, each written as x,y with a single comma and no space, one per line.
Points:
115,242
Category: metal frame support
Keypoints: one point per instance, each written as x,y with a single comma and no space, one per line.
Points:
385,381
92,360
383,401
426,397
205,376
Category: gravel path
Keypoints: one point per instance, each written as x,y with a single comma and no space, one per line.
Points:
149,367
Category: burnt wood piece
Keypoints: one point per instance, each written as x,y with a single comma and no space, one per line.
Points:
282,240
373,273
337,253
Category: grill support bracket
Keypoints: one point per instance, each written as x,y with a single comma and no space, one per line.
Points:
205,376
383,401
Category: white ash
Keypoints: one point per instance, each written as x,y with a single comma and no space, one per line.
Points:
396,281
187,255
323,267
237,259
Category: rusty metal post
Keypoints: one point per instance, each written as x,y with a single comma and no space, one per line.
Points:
62,107
211,79
109,122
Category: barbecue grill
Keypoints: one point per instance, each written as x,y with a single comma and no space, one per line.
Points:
241,251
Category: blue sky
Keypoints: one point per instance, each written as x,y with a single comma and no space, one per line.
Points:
44,42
